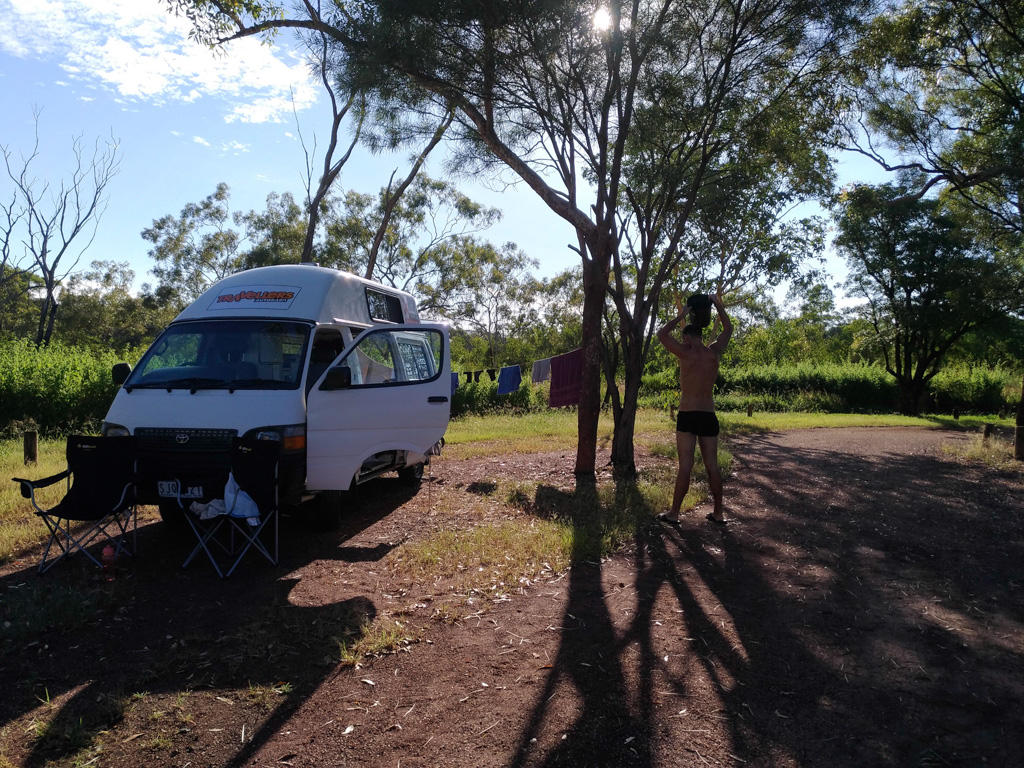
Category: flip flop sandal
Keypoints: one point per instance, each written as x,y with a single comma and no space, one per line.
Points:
663,517
713,519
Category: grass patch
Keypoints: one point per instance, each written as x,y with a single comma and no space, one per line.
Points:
19,526
489,558
377,639
995,452
740,423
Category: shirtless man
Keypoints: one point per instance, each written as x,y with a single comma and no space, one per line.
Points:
697,422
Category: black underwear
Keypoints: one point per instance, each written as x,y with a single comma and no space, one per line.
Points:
699,423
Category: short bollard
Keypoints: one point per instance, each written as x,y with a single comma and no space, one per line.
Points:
31,447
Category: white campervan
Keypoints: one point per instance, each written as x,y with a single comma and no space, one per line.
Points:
337,368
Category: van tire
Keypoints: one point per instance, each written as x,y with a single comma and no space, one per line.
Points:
411,475
172,515
330,509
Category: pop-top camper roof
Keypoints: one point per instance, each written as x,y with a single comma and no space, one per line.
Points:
303,292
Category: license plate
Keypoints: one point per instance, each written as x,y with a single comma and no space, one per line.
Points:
168,489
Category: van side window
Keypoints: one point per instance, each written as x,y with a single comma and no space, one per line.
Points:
384,307
385,358
327,345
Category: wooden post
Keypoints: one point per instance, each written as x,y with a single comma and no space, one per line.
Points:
986,432
31,447
750,410
1018,436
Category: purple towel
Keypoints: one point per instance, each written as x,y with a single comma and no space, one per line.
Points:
566,379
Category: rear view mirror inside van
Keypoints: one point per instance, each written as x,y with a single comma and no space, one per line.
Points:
338,378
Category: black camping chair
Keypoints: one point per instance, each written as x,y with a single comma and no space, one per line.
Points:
100,490
226,537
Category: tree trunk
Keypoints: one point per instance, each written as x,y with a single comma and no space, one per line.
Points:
910,397
1018,438
623,458
595,282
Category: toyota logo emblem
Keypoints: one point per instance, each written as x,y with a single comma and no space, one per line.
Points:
181,438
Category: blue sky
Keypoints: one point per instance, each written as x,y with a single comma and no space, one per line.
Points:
188,119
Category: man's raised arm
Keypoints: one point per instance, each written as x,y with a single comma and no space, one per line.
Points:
720,343
670,342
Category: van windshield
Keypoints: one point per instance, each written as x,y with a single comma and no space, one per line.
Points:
224,354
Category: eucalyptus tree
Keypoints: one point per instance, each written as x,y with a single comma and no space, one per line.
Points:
604,112
48,226
408,235
926,280
942,87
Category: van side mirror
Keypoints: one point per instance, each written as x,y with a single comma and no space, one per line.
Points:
120,373
339,377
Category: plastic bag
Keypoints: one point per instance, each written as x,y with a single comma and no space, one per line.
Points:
239,503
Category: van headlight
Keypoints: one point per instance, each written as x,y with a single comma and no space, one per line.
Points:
291,436
114,430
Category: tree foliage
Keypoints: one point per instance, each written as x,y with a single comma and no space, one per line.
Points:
926,282
943,84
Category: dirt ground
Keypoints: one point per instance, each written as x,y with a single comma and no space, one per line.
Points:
866,610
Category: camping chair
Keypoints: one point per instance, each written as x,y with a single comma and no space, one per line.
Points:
254,469
100,490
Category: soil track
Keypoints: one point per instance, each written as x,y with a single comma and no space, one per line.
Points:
867,610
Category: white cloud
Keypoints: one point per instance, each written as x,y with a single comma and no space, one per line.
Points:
236,147
140,52
200,140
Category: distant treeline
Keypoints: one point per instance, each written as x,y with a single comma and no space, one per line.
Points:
60,389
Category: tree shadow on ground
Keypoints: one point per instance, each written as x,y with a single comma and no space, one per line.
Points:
867,611
77,651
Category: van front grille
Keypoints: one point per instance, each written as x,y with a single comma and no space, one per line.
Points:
153,439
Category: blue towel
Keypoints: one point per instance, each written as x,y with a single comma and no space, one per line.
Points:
509,379
455,383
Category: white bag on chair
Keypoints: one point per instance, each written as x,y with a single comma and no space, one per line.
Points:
239,503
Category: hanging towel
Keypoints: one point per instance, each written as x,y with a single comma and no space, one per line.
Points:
541,370
509,379
469,377
492,372
566,379
455,383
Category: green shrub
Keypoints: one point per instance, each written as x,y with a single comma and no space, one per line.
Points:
58,388
481,397
977,390
836,388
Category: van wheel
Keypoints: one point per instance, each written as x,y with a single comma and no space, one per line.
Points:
329,510
172,515
411,475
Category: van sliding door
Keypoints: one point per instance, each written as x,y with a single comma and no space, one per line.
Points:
394,395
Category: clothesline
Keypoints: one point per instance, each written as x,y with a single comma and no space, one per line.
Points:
564,371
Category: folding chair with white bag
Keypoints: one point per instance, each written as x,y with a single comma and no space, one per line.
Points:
247,517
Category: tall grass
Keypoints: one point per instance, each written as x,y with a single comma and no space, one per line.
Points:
58,388
481,397
19,526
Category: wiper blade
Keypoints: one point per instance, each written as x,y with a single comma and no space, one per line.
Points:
193,383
